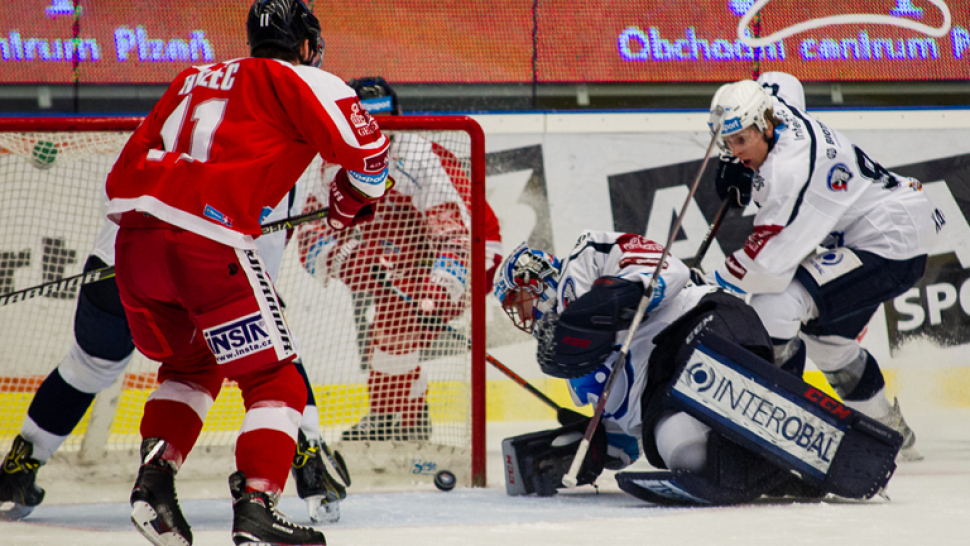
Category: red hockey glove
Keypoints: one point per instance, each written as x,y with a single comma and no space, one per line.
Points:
347,205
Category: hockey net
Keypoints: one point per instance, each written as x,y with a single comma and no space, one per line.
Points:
52,174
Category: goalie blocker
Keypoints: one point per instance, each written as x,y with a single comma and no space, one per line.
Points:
776,415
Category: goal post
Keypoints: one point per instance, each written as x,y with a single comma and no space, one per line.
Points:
52,173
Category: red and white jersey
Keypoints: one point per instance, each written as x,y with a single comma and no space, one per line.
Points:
422,225
818,189
227,142
634,258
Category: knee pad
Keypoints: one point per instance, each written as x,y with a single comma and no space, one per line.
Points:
832,353
784,312
682,442
98,326
88,373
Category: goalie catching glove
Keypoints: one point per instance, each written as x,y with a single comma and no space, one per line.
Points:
585,334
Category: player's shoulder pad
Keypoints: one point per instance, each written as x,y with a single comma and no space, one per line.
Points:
324,83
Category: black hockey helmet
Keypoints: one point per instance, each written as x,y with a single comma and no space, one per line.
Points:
376,95
284,24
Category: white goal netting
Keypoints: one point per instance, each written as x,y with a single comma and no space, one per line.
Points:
393,388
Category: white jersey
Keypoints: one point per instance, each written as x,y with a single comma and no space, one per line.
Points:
631,257
818,189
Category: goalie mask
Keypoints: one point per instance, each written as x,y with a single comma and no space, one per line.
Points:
526,284
285,24
737,106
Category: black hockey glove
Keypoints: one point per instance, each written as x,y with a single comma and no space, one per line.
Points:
733,182
697,277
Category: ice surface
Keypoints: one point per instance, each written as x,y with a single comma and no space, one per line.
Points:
930,505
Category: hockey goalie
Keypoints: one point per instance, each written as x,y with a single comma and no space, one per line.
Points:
699,391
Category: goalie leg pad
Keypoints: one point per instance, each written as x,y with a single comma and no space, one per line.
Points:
536,462
733,475
779,416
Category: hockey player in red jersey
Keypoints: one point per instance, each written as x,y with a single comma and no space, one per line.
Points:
411,264
225,143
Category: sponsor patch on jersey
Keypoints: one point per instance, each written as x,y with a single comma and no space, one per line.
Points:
758,238
376,163
827,267
211,212
640,260
831,153
638,243
734,266
363,124
238,338
839,177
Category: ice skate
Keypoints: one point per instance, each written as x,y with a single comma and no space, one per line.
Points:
895,421
257,521
19,493
154,505
314,484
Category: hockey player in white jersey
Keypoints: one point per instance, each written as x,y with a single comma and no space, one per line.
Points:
836,235
699,391
578,310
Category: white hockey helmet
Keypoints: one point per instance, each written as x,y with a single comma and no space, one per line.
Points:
737,106
526,284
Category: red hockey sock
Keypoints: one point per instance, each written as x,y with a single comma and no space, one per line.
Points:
175,412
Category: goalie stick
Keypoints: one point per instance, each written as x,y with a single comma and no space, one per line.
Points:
105,273
565,416
570,479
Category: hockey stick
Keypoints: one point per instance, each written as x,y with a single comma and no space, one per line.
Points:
711,232
105,273
565,416
569,480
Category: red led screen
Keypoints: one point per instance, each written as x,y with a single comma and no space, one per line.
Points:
503,41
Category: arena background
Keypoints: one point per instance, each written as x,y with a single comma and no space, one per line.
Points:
553,174
497,41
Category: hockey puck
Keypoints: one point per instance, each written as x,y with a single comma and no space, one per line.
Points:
445,480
